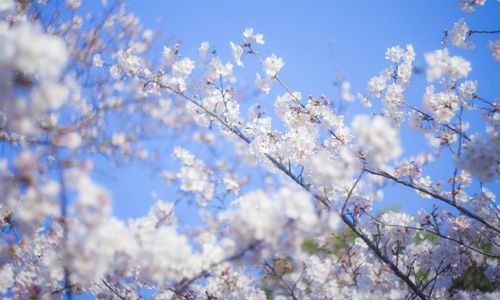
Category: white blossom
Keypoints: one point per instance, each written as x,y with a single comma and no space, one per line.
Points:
297,206
443,106
118,139
203,49
378,83
6,278
256,218
467,89
216,69
47,59
460,35
71,140
468,5
237,53
272,65
495,49
398,231
183,68
97,61
377,139
394,54
164,254
193,176
481,158
345,92
263,83
73,4
7,5
169,55
275,190
49,95
251,37
328,171
442,65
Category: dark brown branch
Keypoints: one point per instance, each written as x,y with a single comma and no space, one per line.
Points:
112,289
463,210
319,198
436,234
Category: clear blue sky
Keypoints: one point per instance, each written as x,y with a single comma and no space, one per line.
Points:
317,40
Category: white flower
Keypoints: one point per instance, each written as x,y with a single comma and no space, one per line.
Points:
194,176
6,278
34,207
49,95
256,218
317,270
443,65
93,203
47,59
495,49
432,140
71,140
325,170
394,54
130,63
248,32
460,35
443,106
378,83
169,55
25,163
203,50
334,221
467,89
272,65
7,5
377,139
97,61
118,139
481,157
258,38
237,53
263,84
216,69
297,205
164,255
73,4
345,91
393,96
391,234
231,184
468,5
183,68
114,71
115,259
299,142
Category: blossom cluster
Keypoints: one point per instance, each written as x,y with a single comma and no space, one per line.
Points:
286,194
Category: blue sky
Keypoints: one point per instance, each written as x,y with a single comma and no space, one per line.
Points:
318,40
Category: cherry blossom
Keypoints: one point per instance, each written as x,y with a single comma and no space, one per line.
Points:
272,65
495,49
460,35
286,191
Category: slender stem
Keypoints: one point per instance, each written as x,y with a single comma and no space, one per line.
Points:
484,31
462,209
113,290
384,258
436,234
64,221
